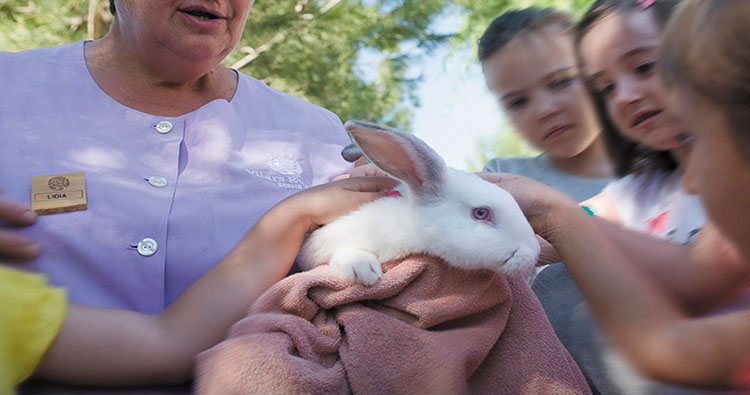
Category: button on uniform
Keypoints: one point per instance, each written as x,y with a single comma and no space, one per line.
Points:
147,247
164,127
157,181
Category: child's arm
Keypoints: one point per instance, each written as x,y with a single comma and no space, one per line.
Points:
603,206
115,347
652,328
642,318
700,276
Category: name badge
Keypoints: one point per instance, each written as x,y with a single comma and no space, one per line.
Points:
58,193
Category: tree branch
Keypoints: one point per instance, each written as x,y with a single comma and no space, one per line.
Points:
91,25
253,54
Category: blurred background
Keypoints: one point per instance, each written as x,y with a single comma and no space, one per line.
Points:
410,64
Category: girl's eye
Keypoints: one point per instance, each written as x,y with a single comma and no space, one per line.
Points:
482,214
560,83
606,90
516,103
645,68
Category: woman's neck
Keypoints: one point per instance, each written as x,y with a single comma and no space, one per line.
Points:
593,162
167,91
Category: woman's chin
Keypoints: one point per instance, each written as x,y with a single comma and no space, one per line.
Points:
203,52
198,48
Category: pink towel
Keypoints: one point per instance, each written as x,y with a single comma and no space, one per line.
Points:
424,328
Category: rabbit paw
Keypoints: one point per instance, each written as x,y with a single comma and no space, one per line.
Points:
357,266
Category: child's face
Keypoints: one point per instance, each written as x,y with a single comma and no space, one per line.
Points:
536,80
619,53
715,169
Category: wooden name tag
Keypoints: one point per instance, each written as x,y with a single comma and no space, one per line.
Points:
58,193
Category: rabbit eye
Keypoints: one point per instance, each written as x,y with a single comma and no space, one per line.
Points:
481,214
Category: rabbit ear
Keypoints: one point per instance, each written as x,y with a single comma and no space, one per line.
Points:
403,156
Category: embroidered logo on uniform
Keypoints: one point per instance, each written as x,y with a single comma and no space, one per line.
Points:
287,173
285,165
58,183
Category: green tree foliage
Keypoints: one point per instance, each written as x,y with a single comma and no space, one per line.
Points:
28,24
314,49
317,50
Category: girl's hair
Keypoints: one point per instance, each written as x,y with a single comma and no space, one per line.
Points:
514,23
706,48
112,6
627,156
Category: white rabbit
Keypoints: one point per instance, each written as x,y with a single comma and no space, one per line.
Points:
452,214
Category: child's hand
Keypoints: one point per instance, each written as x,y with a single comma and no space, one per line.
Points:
540,203
13,245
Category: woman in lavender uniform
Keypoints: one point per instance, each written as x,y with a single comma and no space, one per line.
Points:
181,155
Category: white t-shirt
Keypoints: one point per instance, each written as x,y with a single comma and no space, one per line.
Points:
654,203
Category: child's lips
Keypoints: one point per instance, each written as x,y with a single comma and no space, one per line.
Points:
558,131
645,119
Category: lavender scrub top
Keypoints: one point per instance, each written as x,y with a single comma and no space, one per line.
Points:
194,184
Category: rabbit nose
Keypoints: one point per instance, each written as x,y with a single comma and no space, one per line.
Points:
351,153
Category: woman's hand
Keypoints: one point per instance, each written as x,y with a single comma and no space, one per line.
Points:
367,170
13,245
274,241
154,349
322,204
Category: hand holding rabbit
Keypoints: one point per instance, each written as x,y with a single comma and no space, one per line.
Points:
324,203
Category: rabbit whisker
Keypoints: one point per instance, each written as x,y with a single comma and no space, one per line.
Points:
511,255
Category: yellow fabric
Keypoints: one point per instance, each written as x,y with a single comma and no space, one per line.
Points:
31,313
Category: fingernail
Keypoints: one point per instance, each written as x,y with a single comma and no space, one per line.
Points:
28,216
33,249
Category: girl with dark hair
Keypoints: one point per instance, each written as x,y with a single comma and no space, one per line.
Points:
616,42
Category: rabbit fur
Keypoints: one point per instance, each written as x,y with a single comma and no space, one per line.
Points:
452,214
